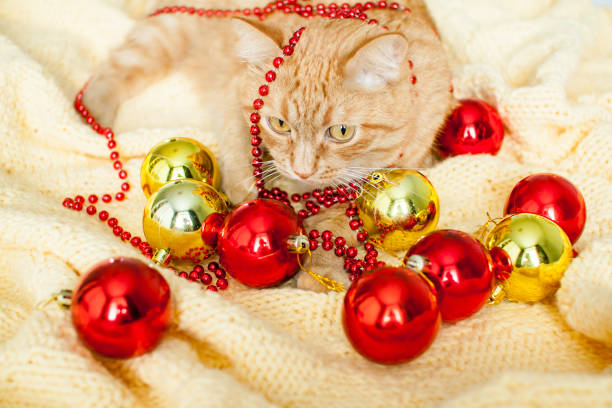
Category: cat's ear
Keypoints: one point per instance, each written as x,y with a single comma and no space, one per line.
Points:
254,45
377,63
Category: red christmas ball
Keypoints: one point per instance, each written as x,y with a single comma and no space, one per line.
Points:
252,243
459,267
391,315
553,197
473,127
121,308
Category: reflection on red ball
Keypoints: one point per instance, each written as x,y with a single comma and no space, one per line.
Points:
473,127
553,197
391,315
460,268
121,308
252,243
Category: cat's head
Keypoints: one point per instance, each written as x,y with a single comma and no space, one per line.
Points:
352,98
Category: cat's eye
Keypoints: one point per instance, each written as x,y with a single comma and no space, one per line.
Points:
341,133
278,125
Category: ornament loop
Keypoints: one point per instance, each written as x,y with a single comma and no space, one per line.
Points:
497,295
62,298
328,283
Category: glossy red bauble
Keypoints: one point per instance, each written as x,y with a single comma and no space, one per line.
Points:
473,127
121,308
553,197
252,243
391,315
459,267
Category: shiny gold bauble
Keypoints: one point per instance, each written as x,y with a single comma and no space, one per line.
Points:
398,207
178,159
174,215
539,251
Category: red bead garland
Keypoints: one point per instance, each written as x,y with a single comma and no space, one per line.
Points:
312,200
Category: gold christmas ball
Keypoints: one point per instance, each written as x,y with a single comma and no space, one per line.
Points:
398,207
539,250
178,159
174,215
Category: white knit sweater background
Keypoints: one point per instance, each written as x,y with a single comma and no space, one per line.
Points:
546,65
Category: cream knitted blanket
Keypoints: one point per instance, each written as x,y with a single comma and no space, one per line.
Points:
546,65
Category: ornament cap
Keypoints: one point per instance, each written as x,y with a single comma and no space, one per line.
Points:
162,257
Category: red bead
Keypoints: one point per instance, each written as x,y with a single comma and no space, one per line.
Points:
193,276
382,4
125,186
255,141
362,236
264,90
79,199
68,203
256,151
293,41
278,61
91,210
313,244
113,222
117,165
183,275
339,251
351,252
473,127
340,241
327,245
213,266
111,144
206,278
258,104
413,79
314,234
295,198
212,288
459,267
122,175
121,308
117,230
390,316
135,241
125,236
326,235
270,76
220,273
255,131
77,206
114,155
119,196
103,215
553,197
252,244
302,213
255,117
109,134
92,199
106,198
222,283
354,225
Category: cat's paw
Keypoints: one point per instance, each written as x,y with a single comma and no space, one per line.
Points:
101,99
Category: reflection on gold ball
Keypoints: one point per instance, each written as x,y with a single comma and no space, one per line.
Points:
539,250
178,159
398,207
174,215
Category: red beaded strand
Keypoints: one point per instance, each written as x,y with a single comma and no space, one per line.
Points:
313,201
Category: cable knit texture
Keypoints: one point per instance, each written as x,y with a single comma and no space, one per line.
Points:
546,65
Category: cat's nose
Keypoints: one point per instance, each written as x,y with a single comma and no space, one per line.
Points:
302,175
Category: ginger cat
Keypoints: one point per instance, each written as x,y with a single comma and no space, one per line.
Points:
352,98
